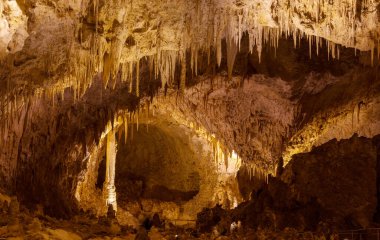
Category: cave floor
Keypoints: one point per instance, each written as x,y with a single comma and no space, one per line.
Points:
20,223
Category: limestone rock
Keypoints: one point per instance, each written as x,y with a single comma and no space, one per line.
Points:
35,225
63,235
142,234
334,184
340,175
155,234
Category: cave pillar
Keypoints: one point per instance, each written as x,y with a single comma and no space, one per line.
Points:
109,187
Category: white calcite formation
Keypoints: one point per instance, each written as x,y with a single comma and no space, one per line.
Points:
88,36
70,41
13,25
118,34
188,158
250,116
263,120
47,47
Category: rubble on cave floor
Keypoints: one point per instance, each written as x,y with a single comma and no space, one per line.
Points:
17,222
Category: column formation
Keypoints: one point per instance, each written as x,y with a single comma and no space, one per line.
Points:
109,186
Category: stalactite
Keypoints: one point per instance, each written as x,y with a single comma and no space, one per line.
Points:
240,30
133,122
328,50
125,129
196,60
137,120
219,51
106,69
95,54
138,78
183,74
310,39
224,23
231,55
192,60
130,76
150,66
372,53
378,46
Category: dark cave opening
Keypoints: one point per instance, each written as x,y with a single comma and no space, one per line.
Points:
101,173
376,142
144,167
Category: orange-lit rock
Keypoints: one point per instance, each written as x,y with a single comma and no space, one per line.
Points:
180,113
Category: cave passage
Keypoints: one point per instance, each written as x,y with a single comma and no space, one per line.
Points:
206,119
155,164
163,167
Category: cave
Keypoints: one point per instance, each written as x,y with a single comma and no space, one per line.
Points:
207,119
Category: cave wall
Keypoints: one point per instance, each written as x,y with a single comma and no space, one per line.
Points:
13,24
341,175
162,159
304,102
269,98
347,104
251,116
163,166
49,146
51,47
88,190
332,186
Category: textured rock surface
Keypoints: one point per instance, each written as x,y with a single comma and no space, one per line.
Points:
340,175
13,28
252,116
65,35
53,112
164,167
69,41
35,225
334,183
264,118
55,140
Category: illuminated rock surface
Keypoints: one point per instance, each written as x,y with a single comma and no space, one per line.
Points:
233,118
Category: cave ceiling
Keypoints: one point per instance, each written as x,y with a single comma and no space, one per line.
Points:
47,47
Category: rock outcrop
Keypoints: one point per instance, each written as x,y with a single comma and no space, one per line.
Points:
334,184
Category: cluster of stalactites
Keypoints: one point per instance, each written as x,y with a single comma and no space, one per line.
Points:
15,111
97,55
256,172
226,160
228,23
